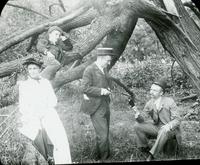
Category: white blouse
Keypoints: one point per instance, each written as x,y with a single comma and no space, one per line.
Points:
36,100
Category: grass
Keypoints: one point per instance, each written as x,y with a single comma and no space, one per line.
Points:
122,136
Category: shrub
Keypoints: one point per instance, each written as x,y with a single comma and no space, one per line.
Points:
142,74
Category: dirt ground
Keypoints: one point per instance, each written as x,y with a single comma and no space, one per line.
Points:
122,136
82,138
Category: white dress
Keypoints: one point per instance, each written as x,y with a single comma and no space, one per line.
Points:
37,102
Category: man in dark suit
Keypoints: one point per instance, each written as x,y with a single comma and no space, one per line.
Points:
160,119
96,91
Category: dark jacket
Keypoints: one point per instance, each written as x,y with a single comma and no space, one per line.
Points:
57,50
93,81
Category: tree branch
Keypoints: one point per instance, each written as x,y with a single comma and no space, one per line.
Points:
13,40
27,9
58,4
62,5
188,24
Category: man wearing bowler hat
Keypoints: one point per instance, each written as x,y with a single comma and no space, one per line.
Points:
96,91
159,119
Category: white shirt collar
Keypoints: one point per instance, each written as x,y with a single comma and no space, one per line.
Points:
101,69
157,102
31,79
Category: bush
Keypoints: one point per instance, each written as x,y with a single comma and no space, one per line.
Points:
9,94
180,79
143,74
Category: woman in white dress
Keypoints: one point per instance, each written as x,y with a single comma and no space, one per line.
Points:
37,102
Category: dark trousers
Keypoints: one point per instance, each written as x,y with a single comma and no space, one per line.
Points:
51,67
101,120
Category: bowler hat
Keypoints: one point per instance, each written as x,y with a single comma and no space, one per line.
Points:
162,83
105,52
33,61
52,28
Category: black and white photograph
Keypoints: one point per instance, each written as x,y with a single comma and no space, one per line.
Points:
99,81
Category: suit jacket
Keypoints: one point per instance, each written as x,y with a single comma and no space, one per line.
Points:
93,81
167,113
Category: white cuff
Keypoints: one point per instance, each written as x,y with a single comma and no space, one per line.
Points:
101,91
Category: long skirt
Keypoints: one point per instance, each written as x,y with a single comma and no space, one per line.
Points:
55,131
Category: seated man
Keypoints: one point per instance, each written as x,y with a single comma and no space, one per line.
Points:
163,124
51,45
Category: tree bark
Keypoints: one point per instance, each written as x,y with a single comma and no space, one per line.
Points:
180,47
7,68
170,6
82,20
171,36
68,76
88,44
186,56
116,39
188,24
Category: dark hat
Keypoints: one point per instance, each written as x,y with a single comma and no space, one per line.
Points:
52,28
105,52
162,83
33,61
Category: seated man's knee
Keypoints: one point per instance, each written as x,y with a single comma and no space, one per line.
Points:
164,132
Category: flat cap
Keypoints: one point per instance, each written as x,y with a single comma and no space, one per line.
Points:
162,83
52,28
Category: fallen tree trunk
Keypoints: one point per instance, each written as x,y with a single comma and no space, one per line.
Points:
8,68
193,97
171,36
116,39
88,44
13,40
85,19
80,21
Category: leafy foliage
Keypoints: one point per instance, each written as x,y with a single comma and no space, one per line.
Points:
144,73
143,44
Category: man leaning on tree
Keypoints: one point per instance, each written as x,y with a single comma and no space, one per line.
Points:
52,46
96,91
